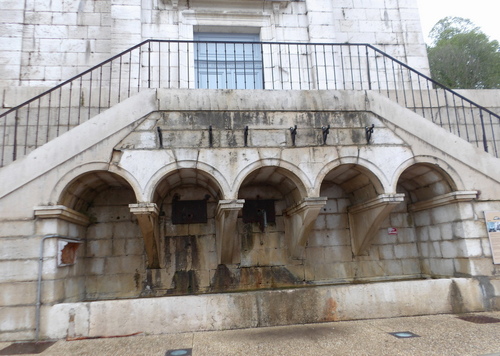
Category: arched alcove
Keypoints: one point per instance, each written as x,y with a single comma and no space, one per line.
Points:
424,181
187,199
433,207
114,257
350,238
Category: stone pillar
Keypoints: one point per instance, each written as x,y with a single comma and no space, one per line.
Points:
365,219
147,216
228,247
299,220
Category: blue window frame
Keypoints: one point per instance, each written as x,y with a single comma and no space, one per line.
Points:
228,65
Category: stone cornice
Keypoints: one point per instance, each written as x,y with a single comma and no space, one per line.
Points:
61,212
445,199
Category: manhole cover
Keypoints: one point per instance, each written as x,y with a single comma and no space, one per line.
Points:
180,352
404,334
23,348
479,319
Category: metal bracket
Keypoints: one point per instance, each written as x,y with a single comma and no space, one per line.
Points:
326,131
210,137
293,132
369,132
160,136
245,135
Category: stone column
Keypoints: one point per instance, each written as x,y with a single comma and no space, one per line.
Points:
365,219
299,220
228,247
147,216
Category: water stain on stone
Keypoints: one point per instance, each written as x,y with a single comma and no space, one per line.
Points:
223,280
330,310
184,282
247,239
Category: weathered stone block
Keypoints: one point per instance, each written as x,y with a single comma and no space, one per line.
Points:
16,318
17,293
18,271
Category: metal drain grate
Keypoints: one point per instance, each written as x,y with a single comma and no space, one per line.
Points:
180,352
404,334
479,319
23,348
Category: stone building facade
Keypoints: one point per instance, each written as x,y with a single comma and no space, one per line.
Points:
343,198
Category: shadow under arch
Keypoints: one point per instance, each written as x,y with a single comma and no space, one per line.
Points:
219,185
422,181
374,174
81,191
448,173
187,177
258,170
357,182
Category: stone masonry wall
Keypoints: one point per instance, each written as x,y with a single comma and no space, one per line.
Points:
44,43
114,257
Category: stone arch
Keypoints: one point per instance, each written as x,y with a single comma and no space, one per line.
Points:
286,169
448,173
423,181
79,193
218,182
60,188
186,177
357,181
374,174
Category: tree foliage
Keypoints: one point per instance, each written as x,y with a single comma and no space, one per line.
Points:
462,56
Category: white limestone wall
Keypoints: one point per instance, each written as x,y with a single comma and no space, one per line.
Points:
45,43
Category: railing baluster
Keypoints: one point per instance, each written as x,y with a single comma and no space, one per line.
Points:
298,67
129,73
359,69
350,65
120,79
368,69
343,68
465,120
110,83
139,70
386,79
26,133
59,112
16,123
48,118
149,64
90,97
159,64
334,68
100,90
308,68
324,66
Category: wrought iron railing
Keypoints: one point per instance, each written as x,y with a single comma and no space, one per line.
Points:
240,65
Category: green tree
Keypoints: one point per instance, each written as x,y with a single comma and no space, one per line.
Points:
462,56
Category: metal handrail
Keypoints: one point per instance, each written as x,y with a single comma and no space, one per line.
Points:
240,65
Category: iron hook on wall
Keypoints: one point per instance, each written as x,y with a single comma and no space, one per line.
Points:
210,136
369,132
245,136
326,131
160,136
293,132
